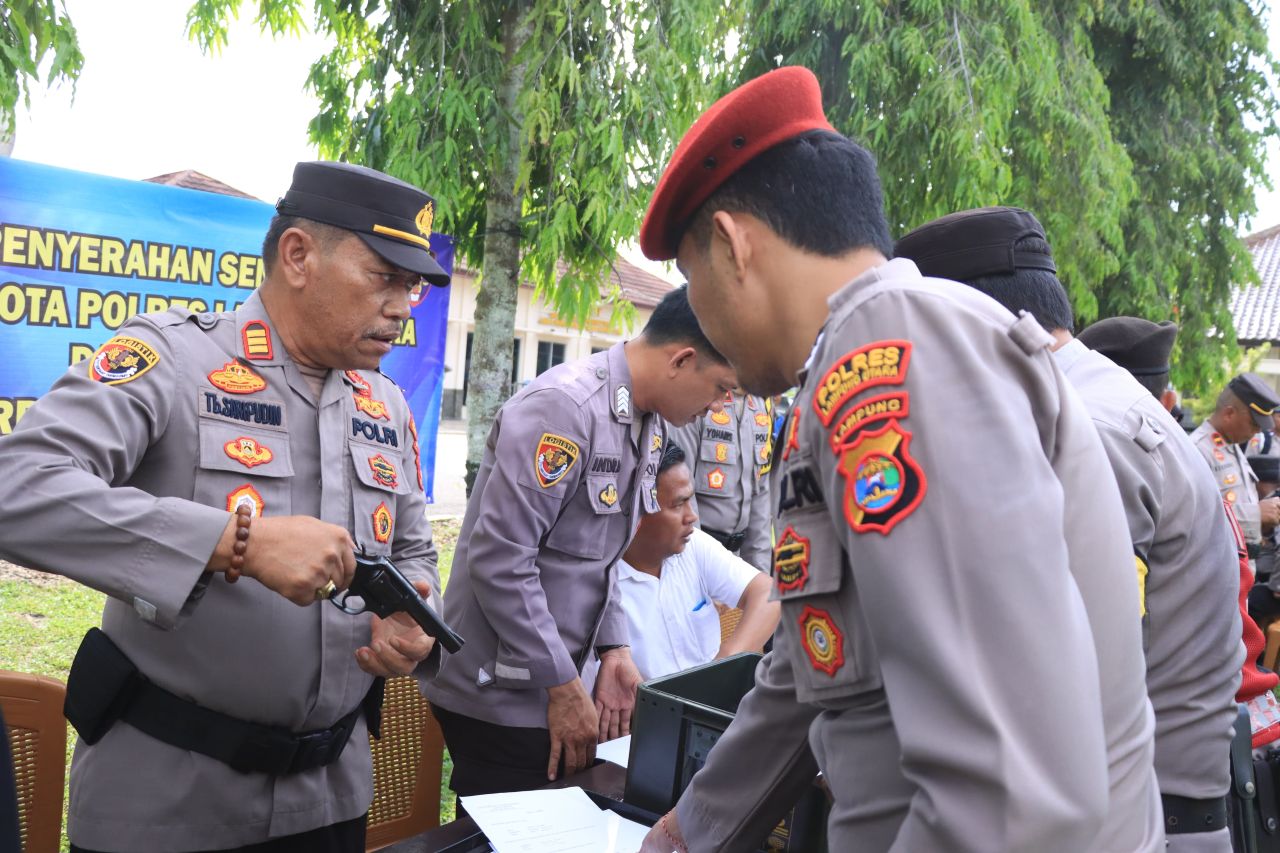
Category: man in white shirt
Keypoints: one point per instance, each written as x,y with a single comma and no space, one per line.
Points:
672,574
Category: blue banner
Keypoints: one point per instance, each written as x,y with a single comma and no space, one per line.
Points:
81,253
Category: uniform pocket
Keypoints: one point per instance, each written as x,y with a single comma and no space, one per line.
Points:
379,477
240,465
603,492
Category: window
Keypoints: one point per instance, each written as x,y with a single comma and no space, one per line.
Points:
550,354
595,350
466,371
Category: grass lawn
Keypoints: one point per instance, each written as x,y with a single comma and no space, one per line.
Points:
42,620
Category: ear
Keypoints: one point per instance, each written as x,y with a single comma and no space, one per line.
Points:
1169,399
296,254
681,358
728,236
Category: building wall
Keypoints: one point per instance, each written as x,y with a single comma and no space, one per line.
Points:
535,322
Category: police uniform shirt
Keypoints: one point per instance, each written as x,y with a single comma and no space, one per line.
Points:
533,588
1188,569
948,547
121,477
1235,478
728,454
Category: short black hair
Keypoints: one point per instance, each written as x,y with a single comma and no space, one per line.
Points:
1038,292
326,235
819,191
673,322
672,455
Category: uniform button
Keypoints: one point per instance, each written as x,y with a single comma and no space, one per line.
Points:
601,373
1271,824
207,319
1249,788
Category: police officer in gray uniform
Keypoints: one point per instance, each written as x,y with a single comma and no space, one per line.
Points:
962,645
1243,408
1184,549
191,449
729,456
568,465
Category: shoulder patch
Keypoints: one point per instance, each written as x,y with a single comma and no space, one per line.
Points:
885,406
555,456
878,363
883,483
122,359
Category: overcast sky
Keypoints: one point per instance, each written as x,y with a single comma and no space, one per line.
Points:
149,102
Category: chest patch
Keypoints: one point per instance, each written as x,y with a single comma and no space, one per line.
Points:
879,363
248,496
715,479
371,407
883,483
554,458
384,472
821,640
370,431
791,561
382,523
248,452
234,378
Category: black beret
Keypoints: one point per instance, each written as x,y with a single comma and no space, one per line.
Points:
392,218
1267,468
1139,346
974,243
1258,396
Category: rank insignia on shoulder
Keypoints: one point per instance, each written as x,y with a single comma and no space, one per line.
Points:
791,561
878,363
257,340
895,405
822,640
715,479
883,483
384,472
1217,440
248,452
248,496
721,417
622,402
371,407
122,359
553,459
722,452
609,495
234,378
382,523
762,420
363,388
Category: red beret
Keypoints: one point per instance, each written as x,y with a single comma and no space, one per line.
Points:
748,121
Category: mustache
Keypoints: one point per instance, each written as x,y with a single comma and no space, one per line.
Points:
393,331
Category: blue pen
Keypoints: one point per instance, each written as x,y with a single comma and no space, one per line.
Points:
701,604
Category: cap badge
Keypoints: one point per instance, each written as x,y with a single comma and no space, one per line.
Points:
424,218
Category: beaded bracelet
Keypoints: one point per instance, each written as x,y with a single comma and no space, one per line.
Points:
244,518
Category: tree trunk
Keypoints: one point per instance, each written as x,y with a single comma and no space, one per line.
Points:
491,348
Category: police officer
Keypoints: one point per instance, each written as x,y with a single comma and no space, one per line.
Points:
568,465
729,454
200,469
1188,570
939,646
1243,408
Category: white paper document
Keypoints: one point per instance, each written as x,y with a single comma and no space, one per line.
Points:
559,820
617,751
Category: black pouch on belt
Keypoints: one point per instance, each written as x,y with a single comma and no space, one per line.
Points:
101,683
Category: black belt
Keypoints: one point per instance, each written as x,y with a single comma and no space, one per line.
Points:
1183,815
732,541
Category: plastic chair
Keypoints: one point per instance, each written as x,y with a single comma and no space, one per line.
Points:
729,619
407,761
32,708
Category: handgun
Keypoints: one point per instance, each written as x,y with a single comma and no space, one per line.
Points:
384,590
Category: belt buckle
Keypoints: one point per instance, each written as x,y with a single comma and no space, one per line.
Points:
311,750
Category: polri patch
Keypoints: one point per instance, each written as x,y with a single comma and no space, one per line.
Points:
257,340
248,496
248,452
122,359
822,640
555,456
384,472
791,561
878,363
371,407
895,405
382,523
883,483
234,378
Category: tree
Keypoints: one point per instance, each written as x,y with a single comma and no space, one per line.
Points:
540,125
30,32
1134,131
